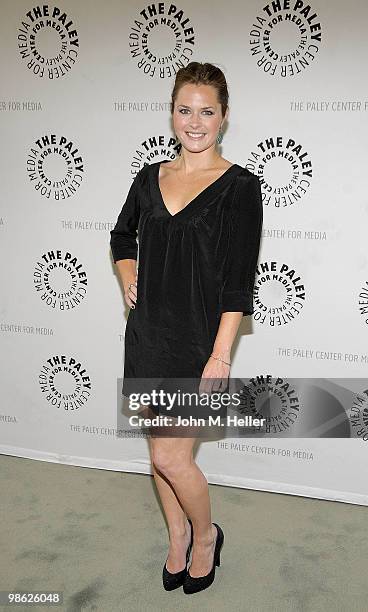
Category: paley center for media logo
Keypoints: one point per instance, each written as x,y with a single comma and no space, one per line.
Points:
363,302
65,382
358,414
276,400
48,41
284,168
161,39
60,279
55,167
285,37
279,293
154,148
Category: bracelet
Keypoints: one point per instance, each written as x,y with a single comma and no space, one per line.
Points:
219,358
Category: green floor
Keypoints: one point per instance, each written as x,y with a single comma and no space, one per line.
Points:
100,537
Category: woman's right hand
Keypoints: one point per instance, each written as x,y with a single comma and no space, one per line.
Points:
130,293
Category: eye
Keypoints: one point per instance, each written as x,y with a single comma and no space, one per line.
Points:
184,110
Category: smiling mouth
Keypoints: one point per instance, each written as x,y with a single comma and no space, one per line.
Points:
195,135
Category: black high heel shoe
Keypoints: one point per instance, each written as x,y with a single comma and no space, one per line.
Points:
173,581
193,585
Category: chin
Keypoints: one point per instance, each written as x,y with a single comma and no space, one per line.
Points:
194,147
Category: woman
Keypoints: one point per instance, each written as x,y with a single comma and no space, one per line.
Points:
199,220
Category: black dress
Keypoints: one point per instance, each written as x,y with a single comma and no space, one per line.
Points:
192,266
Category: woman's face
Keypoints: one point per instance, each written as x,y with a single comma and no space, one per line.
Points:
197,116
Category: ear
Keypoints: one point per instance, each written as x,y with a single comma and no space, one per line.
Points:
225,116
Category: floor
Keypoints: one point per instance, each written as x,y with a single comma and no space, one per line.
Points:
100,537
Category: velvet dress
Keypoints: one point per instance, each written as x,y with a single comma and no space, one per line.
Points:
192,266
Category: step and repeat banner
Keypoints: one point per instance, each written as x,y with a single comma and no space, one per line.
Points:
85,103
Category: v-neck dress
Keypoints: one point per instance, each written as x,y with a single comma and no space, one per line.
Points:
192,266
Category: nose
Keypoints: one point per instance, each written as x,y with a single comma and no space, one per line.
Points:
194,122
195,118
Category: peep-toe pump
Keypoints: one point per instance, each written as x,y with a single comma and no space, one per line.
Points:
192,584
173,581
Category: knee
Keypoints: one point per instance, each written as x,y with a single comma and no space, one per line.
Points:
168,464
162,461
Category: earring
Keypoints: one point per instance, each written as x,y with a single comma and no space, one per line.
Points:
219,137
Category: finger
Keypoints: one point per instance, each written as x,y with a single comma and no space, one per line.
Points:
224,383
132,295
205,386
202,385
133,290
130,301
217,385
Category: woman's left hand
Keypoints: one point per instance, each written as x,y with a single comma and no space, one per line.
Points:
215,375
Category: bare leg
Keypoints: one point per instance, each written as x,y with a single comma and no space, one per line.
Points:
173,459
179,528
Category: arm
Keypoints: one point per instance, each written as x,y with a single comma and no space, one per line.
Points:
241,262
123,242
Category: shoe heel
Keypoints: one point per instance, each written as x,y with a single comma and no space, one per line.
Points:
220,545
172,581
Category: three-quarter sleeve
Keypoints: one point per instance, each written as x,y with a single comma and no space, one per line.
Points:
123,238
246,218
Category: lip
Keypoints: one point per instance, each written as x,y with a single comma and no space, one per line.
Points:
195,133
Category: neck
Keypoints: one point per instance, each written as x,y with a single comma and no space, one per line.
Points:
189,161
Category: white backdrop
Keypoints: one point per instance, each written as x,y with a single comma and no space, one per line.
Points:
85,92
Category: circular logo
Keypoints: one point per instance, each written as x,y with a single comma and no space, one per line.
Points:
284,169
65,382
55,167
60,280
363,302
279,294
272,399
285,40
48,41
358,415
155,148
161,40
